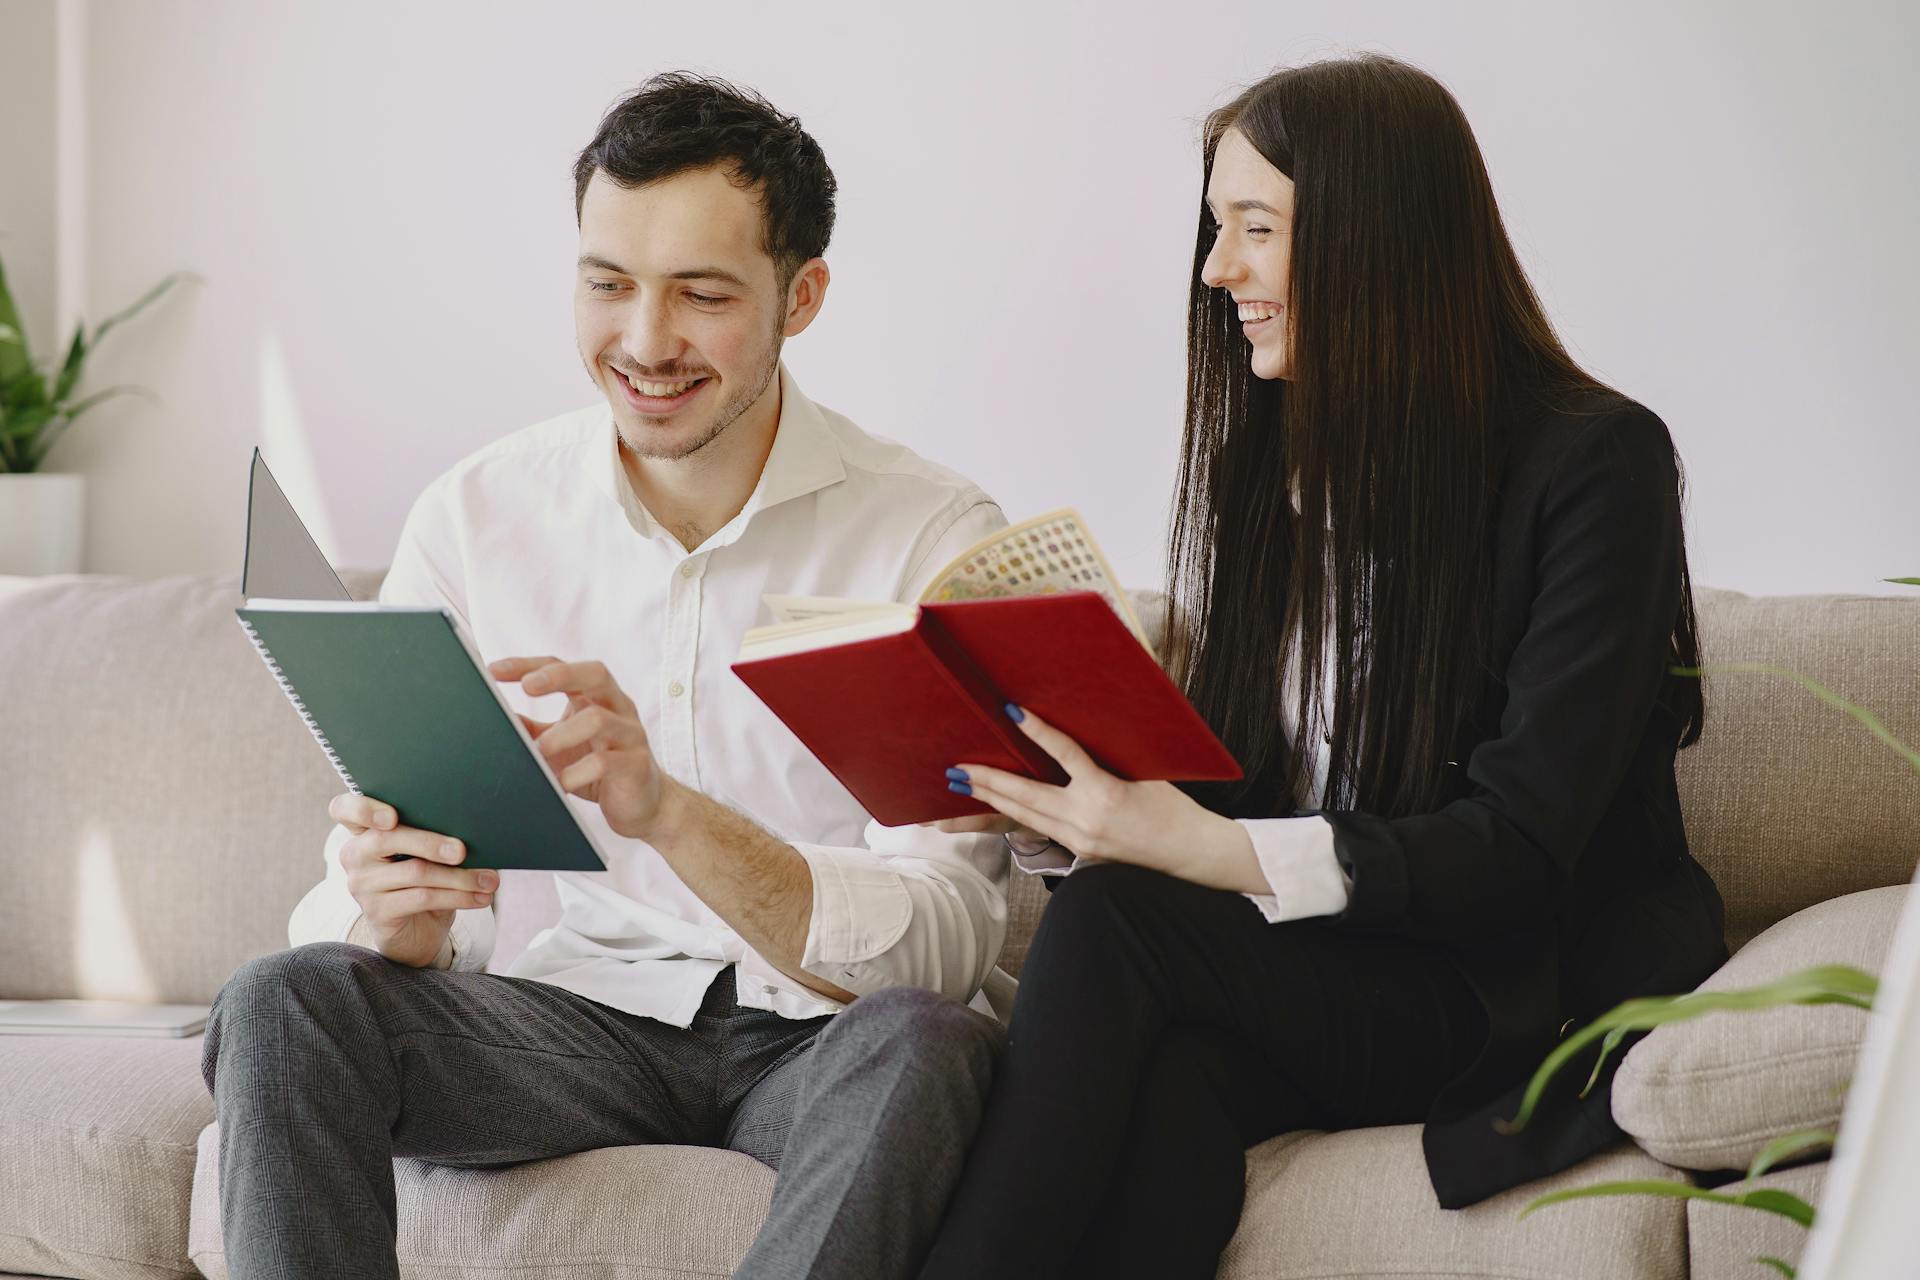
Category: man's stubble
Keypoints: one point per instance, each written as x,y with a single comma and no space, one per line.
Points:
730,413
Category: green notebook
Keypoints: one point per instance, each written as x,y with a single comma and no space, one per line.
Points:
407,714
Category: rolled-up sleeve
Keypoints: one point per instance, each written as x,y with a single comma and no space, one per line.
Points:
915,908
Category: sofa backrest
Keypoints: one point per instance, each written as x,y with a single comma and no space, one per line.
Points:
162,808
1789,801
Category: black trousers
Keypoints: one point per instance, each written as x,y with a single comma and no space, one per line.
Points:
1161,1029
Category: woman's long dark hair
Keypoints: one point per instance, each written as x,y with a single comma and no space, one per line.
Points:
1416,343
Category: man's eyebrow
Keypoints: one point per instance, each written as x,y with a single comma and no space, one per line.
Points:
710,273
595,262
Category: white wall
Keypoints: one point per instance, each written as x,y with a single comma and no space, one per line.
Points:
1716,201
27,178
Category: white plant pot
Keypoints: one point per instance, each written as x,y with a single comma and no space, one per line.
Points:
42,522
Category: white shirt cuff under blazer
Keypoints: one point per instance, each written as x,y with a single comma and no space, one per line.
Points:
1296,860
1296,854
539,545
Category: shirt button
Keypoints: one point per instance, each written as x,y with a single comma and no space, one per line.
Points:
675,689
687,569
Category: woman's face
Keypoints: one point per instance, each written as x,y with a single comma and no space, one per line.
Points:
1252,206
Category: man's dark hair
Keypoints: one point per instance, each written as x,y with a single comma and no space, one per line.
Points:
678,121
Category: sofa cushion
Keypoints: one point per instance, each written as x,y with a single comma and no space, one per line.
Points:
97,1153
1788,801
619,1213
1710,1093
164,806
1336,1206
1723,1239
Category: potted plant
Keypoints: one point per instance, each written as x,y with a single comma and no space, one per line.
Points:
42,514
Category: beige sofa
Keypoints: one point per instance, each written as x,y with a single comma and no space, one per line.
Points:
161,810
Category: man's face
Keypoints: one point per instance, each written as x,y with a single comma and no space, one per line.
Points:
677,308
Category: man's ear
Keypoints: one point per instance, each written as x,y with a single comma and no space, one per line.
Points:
805,294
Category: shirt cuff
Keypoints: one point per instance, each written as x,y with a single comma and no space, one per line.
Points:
915,908
1046,858
860,908
1297,862
472,937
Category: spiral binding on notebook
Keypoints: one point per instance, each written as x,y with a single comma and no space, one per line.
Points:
286,687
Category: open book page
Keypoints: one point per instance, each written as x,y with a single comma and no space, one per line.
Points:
1047,554
789,610
810,622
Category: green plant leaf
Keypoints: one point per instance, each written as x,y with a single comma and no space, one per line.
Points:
39,449
1767,1201
23,388
25,423
1786,1146
14,355
74,410
1784,1203
1822,984
1905,582
1777,1265
70,367
146,300
1818,690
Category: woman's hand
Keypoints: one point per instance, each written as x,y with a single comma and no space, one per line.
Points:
1102,817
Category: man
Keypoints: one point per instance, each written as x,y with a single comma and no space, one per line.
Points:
610,560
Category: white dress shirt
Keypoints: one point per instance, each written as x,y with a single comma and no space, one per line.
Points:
1295,854
540,546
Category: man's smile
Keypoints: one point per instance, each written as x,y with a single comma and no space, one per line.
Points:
653,397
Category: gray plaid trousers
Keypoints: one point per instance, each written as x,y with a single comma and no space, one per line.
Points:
327,1061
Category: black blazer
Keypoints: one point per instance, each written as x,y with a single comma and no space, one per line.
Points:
1557,874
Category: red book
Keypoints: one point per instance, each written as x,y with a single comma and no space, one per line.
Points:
889,713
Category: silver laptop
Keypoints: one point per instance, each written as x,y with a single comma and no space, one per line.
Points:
100,1018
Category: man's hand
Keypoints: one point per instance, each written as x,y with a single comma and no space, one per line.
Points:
598,749
756,882
406,906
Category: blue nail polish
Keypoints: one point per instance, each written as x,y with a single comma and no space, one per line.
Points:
1015,714
960,787
957,775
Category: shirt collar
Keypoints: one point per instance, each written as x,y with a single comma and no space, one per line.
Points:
805,459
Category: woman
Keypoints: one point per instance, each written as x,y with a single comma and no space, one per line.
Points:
1458,823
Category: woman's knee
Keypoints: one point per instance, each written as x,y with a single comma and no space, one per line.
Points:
1108,889
1102,906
